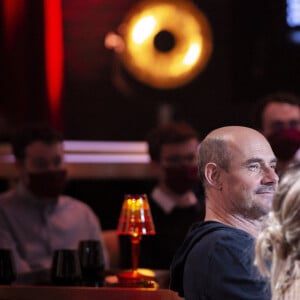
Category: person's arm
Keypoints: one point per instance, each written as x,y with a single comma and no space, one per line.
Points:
7,241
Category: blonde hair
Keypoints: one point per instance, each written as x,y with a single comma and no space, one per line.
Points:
279,242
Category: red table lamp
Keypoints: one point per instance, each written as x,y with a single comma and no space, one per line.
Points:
135,220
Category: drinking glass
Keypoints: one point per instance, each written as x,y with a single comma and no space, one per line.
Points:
7,267
66,268
92,262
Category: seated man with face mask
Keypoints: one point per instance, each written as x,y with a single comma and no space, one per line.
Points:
277,117
176,201
35,218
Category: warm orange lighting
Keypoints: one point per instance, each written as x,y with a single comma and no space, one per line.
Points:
175,61
135,220
54,56
143,29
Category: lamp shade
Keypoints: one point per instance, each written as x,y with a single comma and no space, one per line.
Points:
135,218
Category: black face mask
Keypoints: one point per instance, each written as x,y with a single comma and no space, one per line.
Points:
285,143
181,179
48,184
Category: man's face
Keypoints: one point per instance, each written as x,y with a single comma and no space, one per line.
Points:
42,170
175,155
277,116
41,157
249,184
178,166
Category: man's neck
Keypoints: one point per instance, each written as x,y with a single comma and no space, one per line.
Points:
251,226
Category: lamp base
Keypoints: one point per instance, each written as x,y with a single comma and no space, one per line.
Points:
137,278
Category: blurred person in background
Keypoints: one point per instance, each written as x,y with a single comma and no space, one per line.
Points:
277,116
177,200
35,218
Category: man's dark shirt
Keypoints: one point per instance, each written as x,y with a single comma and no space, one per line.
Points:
215,262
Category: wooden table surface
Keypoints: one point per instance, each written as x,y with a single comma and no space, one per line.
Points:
83,293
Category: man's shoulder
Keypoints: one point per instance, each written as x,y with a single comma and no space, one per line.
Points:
7,197
224,246
214,228
70,203
215,235
224,231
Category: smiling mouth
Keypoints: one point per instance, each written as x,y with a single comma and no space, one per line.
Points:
266,192
269,190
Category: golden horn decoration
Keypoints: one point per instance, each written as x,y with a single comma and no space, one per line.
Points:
167,42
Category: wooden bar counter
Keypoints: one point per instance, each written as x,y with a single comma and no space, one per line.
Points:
83,293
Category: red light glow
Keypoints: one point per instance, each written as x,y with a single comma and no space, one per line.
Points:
54,56
13,16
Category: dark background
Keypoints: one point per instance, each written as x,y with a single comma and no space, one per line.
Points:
253,55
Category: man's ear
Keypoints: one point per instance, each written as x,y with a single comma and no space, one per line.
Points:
212,175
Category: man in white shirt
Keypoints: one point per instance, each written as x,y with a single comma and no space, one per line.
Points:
35,218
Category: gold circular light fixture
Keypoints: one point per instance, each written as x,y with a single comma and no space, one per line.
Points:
167,42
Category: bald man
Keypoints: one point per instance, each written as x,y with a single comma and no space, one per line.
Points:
237,169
